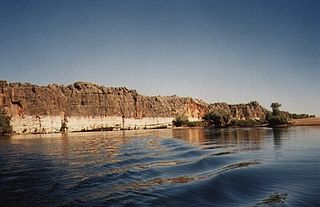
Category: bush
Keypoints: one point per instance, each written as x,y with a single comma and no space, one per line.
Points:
180,121
217,118
183,121
194,124
245,123
5,127
277,120
190,124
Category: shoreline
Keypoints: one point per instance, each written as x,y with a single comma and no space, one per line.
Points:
305,122
292,123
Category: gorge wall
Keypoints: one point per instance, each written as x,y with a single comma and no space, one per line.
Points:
86,106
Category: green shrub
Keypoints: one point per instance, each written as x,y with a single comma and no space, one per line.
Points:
217,118
5,127
183,121
245,123
194,124
277,120
190,124
180,121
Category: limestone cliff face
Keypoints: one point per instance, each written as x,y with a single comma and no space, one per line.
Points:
87,99
34,108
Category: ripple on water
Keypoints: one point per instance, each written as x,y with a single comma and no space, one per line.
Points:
231,167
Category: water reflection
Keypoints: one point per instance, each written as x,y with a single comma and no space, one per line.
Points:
252,138
161,167
277,133
194,136
65,145
109,144
279,136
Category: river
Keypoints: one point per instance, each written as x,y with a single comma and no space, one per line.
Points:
168,167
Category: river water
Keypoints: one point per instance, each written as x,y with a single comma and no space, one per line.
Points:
168,167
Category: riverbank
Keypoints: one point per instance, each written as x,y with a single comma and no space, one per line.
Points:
305,122
54,124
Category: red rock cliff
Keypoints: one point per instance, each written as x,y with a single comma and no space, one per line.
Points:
87,99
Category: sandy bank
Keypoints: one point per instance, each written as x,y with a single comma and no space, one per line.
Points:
306,122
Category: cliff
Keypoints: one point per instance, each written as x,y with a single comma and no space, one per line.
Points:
86,99
86,106
252,110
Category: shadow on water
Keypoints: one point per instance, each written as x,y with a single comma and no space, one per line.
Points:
277,136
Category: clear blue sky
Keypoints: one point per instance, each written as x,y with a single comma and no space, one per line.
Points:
232,51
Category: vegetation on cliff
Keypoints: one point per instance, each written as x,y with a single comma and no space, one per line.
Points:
5,127
240,115
222,119
222,116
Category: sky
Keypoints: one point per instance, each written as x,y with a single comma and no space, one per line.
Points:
218,51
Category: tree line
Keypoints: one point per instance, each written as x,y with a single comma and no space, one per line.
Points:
221,118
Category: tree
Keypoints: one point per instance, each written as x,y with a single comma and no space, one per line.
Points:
277,117
217,118
275,108
5,127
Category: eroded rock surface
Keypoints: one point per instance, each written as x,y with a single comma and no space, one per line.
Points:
87,99
83,99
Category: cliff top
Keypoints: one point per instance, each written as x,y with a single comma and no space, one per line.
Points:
89,99
88,86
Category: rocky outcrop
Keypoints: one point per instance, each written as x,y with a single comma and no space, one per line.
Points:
34,108
87,99
252,110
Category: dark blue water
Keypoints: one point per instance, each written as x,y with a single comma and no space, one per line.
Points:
181,167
